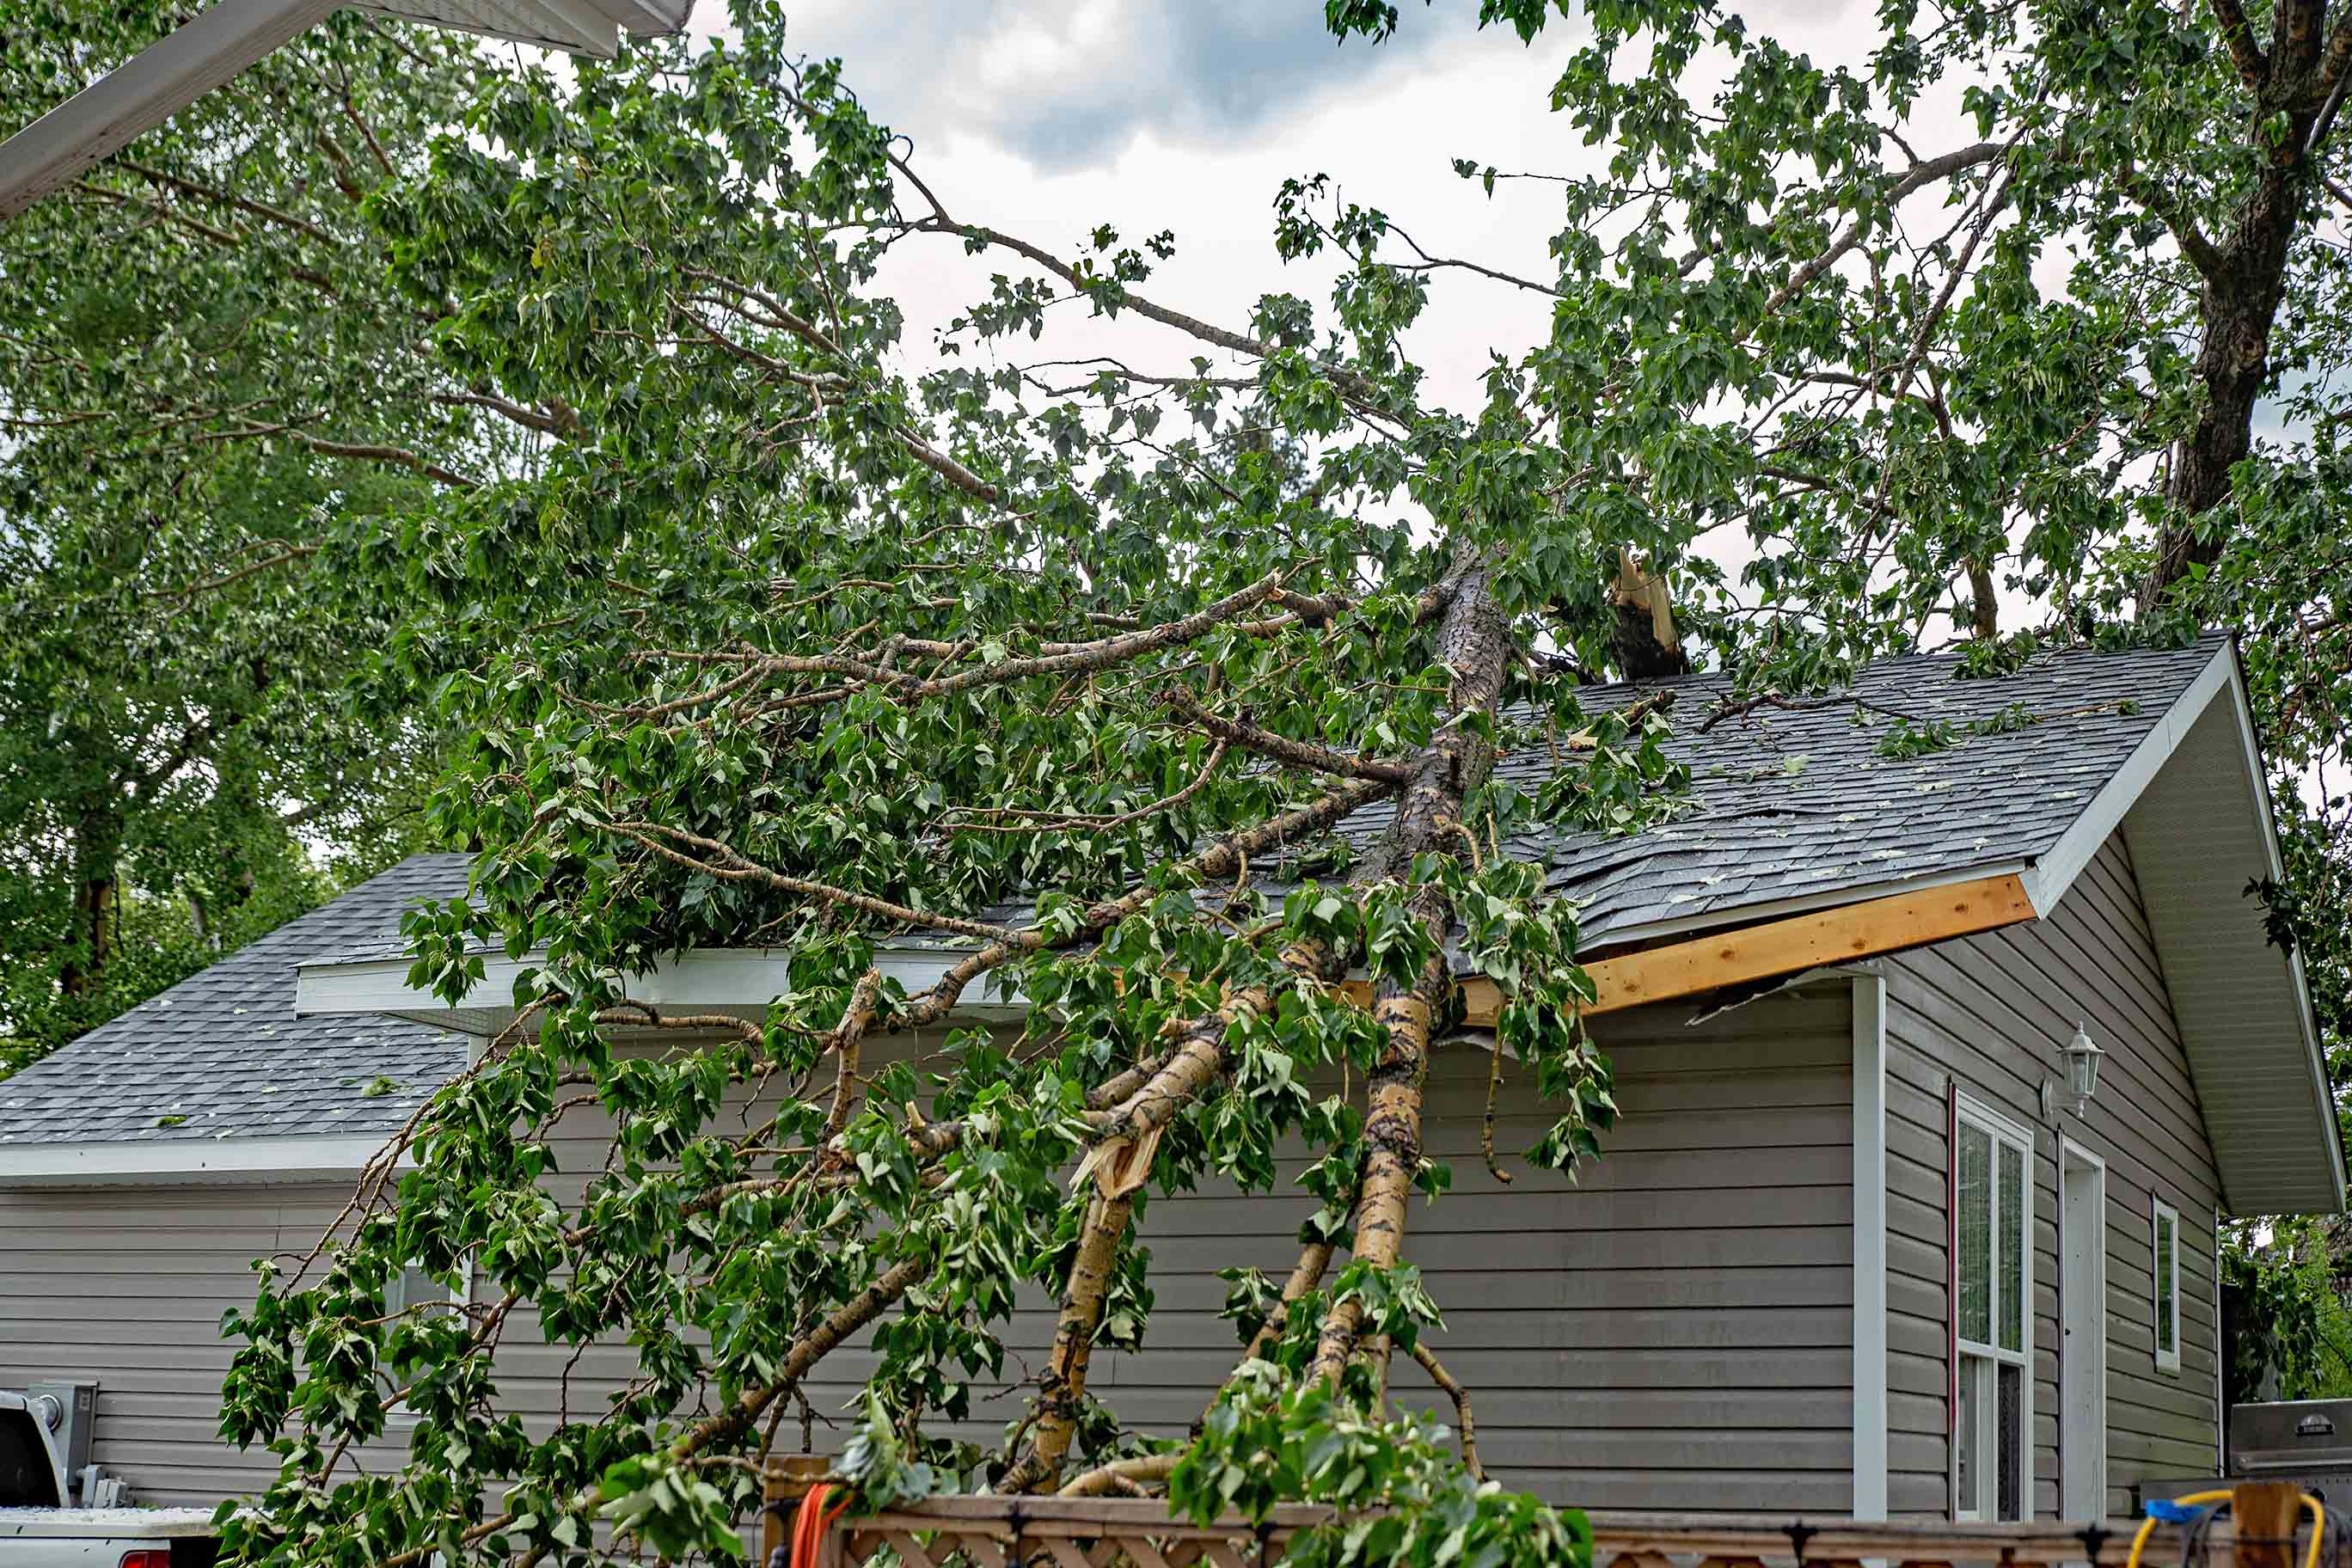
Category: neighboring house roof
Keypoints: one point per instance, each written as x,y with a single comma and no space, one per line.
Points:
221,1059
1790,810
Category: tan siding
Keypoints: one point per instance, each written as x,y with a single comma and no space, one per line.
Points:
1671,1332
1993,1012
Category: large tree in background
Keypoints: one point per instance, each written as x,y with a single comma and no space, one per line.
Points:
203,371
773,640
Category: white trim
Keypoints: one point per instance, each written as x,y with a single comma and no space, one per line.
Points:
134,1161
2082,1343
1869,1246
2161,1290
705,978
2002,1129
2056,871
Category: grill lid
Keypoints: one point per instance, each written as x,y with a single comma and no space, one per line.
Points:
2291,1434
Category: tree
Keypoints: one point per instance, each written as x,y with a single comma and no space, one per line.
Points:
773,639
205,368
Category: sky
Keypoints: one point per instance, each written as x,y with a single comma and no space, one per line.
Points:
1047,117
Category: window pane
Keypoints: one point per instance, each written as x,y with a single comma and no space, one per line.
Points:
2012,1249
2167,1309
1975,1234
2010,1438
1971,1475
412,1286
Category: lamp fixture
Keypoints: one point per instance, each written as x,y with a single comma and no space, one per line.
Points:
2081,1056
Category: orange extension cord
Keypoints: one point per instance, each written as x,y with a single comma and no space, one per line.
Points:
810,1524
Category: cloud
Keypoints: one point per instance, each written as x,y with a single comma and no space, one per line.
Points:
1071,84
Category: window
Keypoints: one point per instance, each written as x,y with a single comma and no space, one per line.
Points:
412,1286
2164,1234
1993,1225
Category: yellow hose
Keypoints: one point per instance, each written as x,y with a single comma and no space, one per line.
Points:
2148,1525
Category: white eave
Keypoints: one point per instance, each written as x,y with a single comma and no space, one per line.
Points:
740,982
138,1162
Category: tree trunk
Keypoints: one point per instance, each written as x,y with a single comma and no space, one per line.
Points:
2239,302
1472,642
2245,279
90,934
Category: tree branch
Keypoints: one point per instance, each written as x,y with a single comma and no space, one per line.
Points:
1913,179
734,867
1293,754
2231,17
1461,1397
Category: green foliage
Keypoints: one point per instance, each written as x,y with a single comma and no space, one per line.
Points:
194,716
2285,1298
1403,1495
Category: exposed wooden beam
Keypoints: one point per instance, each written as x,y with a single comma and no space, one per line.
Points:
1776,948
1807,942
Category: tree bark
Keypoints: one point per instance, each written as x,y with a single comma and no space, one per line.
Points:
2238,304
1472,642
1061,1399
90,935
2245,280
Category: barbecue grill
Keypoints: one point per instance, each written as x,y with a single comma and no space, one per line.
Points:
2307,1441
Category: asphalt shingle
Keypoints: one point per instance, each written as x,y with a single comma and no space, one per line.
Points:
1782,805
1800,803
221,1055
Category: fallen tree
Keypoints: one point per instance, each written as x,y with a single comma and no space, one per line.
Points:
1113,673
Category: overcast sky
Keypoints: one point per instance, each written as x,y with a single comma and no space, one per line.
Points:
1047,117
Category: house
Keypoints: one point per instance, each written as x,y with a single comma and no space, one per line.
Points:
1855,1247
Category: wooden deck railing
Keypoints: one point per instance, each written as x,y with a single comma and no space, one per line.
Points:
1110,1533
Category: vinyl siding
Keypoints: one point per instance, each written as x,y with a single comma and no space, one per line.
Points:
1993,1012
128,1286
1673,1331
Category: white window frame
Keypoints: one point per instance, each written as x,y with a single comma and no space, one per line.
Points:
1982,1359
461,1295
2163,1294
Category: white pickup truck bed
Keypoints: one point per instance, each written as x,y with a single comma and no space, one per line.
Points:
35,1535
102,1537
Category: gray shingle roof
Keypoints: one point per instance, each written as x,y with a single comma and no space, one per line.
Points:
1799,804
223,1050
1783,804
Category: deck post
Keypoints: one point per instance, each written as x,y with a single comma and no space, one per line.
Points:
2265,1513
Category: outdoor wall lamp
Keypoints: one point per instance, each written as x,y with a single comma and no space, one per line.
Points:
2082,1055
